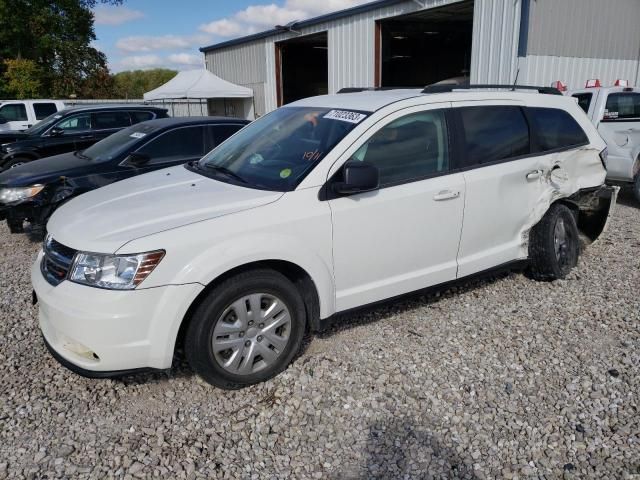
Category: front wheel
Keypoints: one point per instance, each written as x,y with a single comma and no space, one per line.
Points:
247,330
554,244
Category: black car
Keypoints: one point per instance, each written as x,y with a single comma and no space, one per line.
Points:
34,190
71,129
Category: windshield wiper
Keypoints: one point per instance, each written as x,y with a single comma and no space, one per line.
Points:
225,171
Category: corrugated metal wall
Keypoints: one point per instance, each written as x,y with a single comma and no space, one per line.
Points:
351,42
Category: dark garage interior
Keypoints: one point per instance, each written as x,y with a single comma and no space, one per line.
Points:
304,68
427,47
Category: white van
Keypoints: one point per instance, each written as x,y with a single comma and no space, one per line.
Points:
322,206
22,114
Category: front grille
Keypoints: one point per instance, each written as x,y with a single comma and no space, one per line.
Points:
56,261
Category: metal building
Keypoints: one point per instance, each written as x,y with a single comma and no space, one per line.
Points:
390,43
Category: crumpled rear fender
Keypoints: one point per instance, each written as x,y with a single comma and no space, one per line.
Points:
594,207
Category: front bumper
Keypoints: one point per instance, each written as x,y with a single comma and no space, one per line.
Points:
97,332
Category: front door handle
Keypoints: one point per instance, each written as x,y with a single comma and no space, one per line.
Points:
445,195
534,175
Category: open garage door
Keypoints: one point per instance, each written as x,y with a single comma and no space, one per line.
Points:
425,47
302,68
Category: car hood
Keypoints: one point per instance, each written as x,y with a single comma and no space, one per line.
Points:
44,170
105,219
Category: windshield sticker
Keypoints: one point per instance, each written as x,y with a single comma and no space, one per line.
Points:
138,135
312,156
57,116
285,173
608,114
345,116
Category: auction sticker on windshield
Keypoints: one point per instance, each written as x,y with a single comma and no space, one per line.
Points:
138,135
345,116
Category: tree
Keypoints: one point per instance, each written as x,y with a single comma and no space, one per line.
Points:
22,78
56,35
133,84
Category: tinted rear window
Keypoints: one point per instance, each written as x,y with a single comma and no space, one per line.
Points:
107,120
43,110
139,116
584,100
622,107
494,133
556,129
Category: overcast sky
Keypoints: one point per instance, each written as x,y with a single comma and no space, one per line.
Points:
149,33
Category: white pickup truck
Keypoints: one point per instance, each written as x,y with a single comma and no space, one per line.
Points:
615,111
22,114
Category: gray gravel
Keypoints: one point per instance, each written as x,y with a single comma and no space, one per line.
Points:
505,378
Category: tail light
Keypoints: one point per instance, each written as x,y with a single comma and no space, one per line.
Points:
593,83
604,154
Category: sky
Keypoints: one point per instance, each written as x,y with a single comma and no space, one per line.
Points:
143,34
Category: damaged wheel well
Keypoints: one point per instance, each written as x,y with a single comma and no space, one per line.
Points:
592,208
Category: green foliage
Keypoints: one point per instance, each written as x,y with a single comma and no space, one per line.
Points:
22,78
133,84
56,36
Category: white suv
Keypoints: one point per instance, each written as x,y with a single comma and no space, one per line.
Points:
322,206
23,114
615,111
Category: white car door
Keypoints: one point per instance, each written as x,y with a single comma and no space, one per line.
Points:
16,115
504,184
403,236
620,128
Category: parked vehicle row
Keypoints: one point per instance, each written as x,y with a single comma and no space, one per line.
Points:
19,115
322,206
32,191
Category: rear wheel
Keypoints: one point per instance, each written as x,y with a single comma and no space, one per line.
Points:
247,330
554,244
636,188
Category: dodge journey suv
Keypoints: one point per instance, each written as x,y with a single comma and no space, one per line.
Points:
322,206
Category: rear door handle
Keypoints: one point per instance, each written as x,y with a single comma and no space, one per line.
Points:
534,175
445,195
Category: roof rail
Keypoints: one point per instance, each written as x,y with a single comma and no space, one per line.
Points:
451,88
372,89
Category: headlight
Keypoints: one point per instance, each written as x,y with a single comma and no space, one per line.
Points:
113,272
10,195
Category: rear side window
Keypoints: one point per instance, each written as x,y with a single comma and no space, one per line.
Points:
410,148
584,100
494,133
622,107
137,117
107,120
14,112
184,143
43,110
556,129
219,133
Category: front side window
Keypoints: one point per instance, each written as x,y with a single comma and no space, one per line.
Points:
277,151
43,110
494,133
622,107
556,129
584,100
179,144
108,120
410,148
75,123
14,112
119,143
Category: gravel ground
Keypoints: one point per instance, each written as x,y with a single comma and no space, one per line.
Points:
503,378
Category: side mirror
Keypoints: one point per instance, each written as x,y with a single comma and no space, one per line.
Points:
56,131
138,159
358,177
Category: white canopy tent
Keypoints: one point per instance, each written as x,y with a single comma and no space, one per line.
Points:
224,98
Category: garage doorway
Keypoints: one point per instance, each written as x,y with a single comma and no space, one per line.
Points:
426,47
302,67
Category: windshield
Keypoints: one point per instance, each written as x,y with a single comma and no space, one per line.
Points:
116,144
45,123
279,150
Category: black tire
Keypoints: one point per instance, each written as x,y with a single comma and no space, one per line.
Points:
550,260
636,188
199,335
14,162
